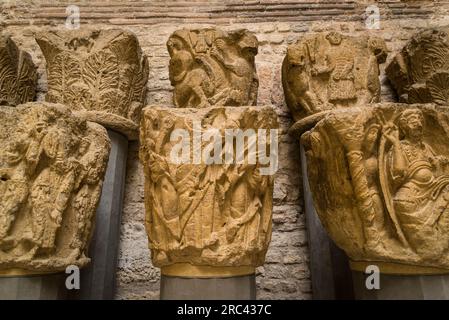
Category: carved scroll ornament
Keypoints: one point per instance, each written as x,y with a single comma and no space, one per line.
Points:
420,72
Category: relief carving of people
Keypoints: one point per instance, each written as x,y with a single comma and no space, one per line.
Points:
380,182
18,76
420,72
206,214
51,168
100,73
211,67
327,71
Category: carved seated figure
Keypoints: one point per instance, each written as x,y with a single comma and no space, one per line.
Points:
420,189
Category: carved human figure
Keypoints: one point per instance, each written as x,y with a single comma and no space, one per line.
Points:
13,188
340,69
299,79
389,200
420,185
326,71
361,146
51,172
191,85
52,188
89,189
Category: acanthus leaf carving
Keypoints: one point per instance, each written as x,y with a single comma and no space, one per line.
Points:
100,73
419,73
18,76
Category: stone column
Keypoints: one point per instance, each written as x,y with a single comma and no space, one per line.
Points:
51,173
331,276
403,287
208,215
102,75
98,278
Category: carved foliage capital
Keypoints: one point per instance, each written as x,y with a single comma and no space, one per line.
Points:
101,73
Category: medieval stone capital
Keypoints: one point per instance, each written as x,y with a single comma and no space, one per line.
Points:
208,211
52,166
327,71
211,67
379,176
100,73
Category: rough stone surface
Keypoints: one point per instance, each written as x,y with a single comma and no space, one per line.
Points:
285,274
52,168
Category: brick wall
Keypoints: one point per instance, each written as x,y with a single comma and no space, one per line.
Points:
276,23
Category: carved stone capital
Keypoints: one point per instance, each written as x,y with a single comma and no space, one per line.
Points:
52,165
18,77
327,71
211,67
420,72
100,73
207,214
379,176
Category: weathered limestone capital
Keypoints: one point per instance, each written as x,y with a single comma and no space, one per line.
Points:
211,67
327,71
18,76
420,72
52,165
101,73
379,176
208,191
